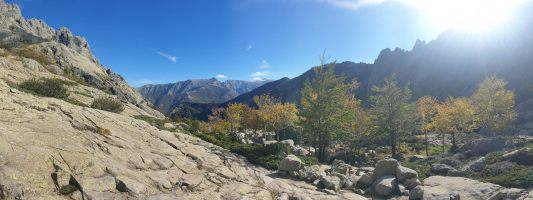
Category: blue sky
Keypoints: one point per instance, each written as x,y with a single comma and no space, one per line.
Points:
164,41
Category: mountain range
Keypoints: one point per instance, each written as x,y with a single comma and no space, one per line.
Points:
451,65
204,91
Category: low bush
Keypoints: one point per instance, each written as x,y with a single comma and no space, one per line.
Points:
309,160
423,167
32,53
48,87
519,176
108,104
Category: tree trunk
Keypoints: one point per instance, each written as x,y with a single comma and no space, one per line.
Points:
427,143
393,145
454,145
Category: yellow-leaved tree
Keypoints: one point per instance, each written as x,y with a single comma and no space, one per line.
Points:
455,117
494,104
427,111
275,115
236,115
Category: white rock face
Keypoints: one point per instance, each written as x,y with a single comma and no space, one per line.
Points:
440,187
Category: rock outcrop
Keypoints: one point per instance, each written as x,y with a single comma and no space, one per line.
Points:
45,52
440,188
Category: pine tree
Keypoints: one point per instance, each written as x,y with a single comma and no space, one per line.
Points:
324,116
392,113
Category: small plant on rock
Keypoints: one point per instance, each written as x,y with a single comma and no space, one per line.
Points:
48,87
108,104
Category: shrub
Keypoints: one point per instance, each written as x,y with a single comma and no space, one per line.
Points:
519,176
159,123
309,160
34,54
75,102
45,87
108,104
423,167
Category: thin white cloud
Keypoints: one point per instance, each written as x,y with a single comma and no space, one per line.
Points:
260,74
249,47
222,76
258,79
356,4
142,82
264,64
172,58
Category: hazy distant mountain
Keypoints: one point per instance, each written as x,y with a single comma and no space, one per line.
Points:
205,91
451,65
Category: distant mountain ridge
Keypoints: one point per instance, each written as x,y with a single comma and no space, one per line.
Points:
451,65
204,91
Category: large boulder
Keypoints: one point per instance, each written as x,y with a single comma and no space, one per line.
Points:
523,156
440,187
330,182
476,166
366,179
288,142
340,167
386,167
300,151
291,163
441,169
417,193
385,185
404,173
311,173
411,183
487,145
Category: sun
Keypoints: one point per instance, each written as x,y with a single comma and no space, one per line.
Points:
475,16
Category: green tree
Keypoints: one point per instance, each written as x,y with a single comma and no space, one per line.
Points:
324,116
392,113
494,104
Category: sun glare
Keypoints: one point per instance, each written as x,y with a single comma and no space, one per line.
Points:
473,16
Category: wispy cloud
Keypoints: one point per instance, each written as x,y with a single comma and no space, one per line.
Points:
258,79
260,74
142,82
355,4
222,76
249,47
264,64
172,58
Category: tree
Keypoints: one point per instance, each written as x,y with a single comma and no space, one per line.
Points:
216,121
324,115
359,125
235,115
427,110
494,104
392,113
275,115
455,117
